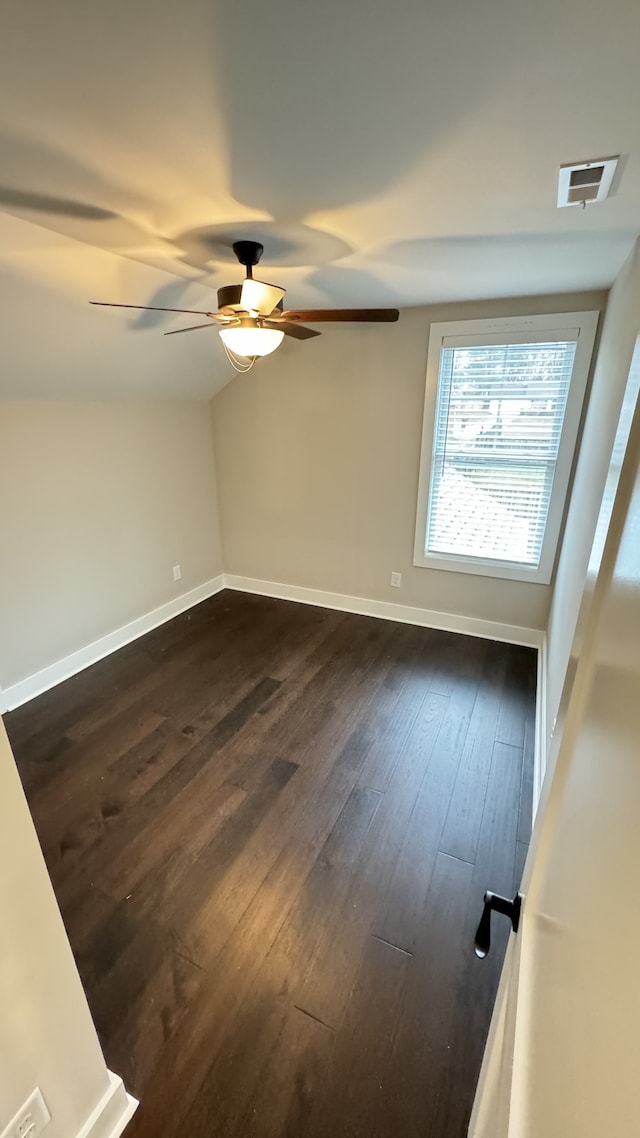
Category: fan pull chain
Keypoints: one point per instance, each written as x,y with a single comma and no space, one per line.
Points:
235,360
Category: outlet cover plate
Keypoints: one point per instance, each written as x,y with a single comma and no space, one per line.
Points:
30,1120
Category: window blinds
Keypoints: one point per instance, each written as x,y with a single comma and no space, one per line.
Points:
500,409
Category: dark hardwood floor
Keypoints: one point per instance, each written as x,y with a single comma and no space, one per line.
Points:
269,828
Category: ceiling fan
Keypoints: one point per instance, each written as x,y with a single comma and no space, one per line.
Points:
251,318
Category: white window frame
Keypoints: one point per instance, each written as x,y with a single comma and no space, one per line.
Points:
580,326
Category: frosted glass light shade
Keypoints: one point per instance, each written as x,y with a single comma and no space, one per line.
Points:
251,341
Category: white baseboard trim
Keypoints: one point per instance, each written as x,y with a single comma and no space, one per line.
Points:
540,740
386,610
113,1112
41,681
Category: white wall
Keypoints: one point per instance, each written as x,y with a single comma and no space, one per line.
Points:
620,330
317,450
47,1038
100,501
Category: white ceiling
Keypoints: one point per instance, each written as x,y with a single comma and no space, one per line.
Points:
384,153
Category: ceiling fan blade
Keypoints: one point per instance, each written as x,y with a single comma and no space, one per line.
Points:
316,315
257,296
153,308
295,330
192,328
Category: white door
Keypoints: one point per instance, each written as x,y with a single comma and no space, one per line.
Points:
563,1057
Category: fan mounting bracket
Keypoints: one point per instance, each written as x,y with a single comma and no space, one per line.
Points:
248,253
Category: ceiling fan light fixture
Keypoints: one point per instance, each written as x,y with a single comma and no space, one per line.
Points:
255,320
250,340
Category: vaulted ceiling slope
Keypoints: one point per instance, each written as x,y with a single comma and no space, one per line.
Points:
384,153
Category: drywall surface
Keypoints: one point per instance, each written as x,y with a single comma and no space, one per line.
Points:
619,333
100,501
317,450
47,1038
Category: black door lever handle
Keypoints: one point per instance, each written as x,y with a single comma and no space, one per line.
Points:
494,903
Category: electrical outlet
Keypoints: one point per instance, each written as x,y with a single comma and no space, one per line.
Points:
30,1120
396,580
177,573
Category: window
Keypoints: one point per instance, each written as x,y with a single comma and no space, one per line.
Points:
502,409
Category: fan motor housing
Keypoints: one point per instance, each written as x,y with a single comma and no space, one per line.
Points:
229,299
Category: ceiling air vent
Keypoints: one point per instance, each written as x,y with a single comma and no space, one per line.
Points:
583,182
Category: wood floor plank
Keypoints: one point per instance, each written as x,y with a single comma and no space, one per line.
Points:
338,951
146,1025
363,1099
395,713
525,819
186,772
320,992
495,855
429,1014
205,1034
338,738
267,1009
88,761
284,1083
128,671
513,704
194,759
154,868
249,816
169,666
185,896
401,915
458,658
291,1082
464,819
